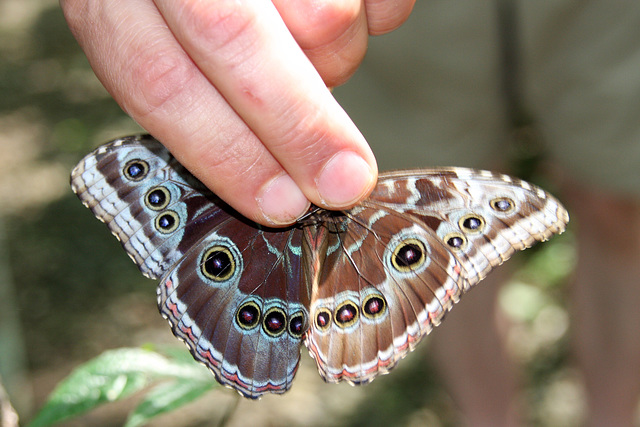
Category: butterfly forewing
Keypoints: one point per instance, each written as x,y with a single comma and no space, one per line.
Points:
481,216
123,184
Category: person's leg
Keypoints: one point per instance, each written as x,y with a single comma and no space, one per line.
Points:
470,353
579,57
606,303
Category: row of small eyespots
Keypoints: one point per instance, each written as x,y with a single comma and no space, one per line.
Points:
274,321
347,313
474,224
156,199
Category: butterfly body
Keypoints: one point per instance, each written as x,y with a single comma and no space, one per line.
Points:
359,287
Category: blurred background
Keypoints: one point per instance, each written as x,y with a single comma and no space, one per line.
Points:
68,291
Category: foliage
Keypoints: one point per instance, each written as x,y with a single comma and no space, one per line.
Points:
117,374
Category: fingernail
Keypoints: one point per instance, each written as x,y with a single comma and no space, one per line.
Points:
344,179
282,202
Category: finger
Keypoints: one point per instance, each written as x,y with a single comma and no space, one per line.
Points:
332,33
384,16
246,51
141,64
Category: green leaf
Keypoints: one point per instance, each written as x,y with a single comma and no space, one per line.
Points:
167,397
111,376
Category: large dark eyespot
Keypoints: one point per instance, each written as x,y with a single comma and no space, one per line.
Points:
248,315
136,170
346,314
374,306
167,222
455,240
408,255
502,204
157,198
275,322
297,325
323,319
218,264
471,223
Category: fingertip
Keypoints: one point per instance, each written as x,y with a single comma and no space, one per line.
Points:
384,16
332,33
282,202
345,180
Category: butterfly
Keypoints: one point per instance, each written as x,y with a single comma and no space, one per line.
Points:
359,287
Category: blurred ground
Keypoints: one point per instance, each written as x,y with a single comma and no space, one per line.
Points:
69,292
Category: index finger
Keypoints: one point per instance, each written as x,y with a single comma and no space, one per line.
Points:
246,51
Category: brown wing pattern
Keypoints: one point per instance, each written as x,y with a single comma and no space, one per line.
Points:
420,241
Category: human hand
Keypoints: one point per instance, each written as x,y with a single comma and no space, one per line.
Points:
237,90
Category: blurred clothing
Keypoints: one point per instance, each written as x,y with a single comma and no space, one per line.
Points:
430,93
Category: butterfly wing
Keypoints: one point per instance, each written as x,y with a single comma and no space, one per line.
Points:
145,197
483,217
230,290
407,254
236,300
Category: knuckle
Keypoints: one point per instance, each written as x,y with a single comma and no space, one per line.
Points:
238,169
336,63
76,13
231,150
332,33
158,78
307,142
384,16
72,9
321,22
218,23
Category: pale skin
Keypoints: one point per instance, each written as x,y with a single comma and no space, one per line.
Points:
238,91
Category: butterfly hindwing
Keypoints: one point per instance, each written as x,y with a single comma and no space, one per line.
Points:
236,301
389,283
